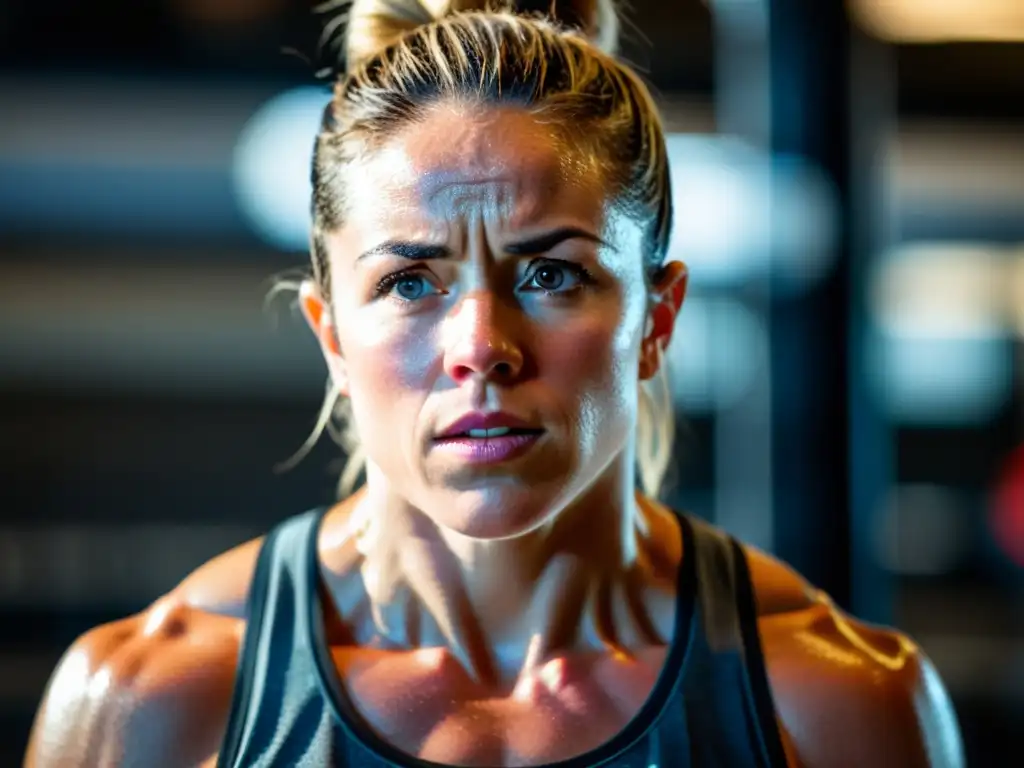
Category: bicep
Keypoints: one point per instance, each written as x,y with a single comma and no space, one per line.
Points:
153,691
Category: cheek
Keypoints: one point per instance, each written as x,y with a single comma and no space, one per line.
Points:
593,369
595,356
386,363
593,372
389,380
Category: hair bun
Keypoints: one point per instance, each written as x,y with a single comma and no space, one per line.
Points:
597,19
372,25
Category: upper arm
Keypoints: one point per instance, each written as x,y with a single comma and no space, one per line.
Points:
850,695
152,690
221,585
846,693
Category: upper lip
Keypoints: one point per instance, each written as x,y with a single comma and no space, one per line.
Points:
477,420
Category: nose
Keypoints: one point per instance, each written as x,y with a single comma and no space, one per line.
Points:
478,343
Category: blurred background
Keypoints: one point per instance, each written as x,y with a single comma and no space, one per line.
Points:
848,372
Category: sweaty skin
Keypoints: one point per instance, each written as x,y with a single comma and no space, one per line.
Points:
154,689
497,613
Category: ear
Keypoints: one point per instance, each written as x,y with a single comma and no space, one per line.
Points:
321,322
667,295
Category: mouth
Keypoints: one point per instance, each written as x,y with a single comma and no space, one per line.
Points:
490,433
478,425
493,445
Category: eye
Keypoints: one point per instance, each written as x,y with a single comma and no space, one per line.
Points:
556,276
405,286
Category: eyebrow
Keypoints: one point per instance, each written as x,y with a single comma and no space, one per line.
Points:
548,240
529,247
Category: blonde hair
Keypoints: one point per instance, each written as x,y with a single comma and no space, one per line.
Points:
557,62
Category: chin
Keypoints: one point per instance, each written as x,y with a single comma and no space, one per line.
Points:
493,513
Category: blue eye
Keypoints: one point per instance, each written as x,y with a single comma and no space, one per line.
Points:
557,276
404,286
411,287
549,278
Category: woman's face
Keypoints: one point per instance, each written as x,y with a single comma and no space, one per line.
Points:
482,274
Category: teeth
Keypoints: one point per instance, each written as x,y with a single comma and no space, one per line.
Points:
496,432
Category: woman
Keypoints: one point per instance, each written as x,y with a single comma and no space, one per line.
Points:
491,213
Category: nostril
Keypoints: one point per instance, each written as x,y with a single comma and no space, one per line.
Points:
503,369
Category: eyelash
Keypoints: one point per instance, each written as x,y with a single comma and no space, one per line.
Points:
581,273
387,283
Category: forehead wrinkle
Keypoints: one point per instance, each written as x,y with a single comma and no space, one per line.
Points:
512,200
480,165
469,148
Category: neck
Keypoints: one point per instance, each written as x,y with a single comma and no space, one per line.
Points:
501,606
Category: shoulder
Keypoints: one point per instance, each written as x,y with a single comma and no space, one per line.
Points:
221,585
152,688
846,692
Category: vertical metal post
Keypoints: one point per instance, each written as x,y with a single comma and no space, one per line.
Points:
810,75
872,211
743,432
788,82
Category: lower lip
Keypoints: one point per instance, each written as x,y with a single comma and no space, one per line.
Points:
488,450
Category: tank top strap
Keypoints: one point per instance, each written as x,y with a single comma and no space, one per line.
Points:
276,693
729,710
715,706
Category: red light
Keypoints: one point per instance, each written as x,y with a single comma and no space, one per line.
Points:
1008,510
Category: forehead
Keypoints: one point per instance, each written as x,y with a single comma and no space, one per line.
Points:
471,160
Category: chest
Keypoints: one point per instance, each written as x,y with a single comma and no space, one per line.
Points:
425,704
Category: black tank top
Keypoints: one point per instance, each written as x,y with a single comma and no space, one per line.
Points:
710,707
